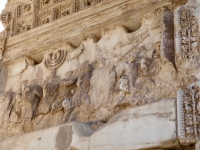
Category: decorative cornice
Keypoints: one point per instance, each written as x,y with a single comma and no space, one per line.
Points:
104,14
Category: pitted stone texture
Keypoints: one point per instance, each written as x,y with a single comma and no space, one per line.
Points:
56,138
145,127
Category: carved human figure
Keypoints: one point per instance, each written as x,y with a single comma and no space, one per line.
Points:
68,107
18,104
112,79
9,99
32,94
83,86
66,104
50,92
73,52
65,91
128,76
145,90
144,66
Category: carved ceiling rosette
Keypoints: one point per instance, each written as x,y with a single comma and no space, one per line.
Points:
188,114
53,60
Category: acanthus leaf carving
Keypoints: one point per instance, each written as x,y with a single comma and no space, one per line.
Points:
189,114
188,34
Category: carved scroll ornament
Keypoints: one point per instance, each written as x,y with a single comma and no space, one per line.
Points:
189,114
188,34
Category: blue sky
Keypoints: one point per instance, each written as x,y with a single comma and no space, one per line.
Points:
2,5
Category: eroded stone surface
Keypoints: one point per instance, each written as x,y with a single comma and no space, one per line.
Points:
88,60
134,128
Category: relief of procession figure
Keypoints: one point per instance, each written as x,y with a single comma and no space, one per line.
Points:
70,92
83,85
128,75
136,72
32,95
22,105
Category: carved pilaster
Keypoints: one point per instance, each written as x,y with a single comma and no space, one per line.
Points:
188,114
186,33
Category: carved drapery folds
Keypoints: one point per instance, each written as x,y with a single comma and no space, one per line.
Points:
128,77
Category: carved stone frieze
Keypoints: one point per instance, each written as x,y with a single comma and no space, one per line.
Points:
32,95
187,34
128,76
91,19
188,114
39,12
86,61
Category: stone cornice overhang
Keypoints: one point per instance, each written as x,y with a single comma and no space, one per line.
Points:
39,39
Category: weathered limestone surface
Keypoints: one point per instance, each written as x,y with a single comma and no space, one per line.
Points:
135,128
121,68
56,138
126,130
